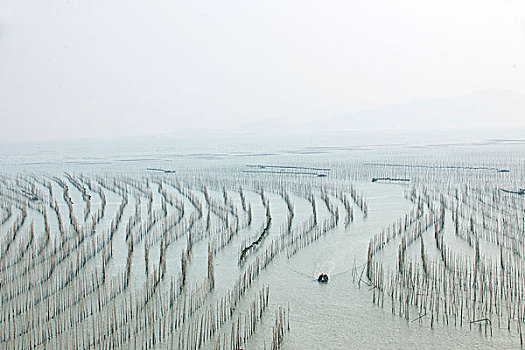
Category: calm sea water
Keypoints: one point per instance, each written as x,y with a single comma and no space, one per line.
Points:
338,315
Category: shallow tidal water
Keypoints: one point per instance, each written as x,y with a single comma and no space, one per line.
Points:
336,315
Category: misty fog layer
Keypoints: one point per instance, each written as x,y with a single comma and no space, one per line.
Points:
77,69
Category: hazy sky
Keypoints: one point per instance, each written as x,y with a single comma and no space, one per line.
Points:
91,68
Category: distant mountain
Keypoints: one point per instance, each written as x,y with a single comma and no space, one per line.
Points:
478,109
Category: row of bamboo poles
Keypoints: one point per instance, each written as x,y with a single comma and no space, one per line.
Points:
68,254
474,279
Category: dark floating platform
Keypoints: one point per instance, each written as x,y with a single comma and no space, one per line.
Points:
260,166
391,179
323,278
166,171
440,167
286,170
283,173
521,191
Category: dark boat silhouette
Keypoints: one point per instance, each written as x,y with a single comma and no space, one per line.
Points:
323,278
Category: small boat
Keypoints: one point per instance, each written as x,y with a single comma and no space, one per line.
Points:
323,278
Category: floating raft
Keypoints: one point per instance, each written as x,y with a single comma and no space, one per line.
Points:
460,167
166,171
286,170
391,179
521,191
